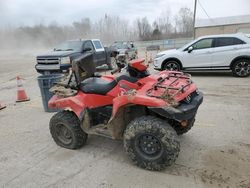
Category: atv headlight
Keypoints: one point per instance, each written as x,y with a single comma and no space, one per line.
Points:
65,60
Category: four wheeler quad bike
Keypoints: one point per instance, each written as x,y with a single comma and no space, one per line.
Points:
146,111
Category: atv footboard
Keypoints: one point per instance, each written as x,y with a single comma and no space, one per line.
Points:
184,111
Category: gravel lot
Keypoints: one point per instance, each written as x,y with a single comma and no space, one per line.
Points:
215,153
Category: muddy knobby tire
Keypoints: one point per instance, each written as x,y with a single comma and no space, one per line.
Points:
161,131
70,122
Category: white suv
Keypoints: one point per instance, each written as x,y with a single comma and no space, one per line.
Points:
215,52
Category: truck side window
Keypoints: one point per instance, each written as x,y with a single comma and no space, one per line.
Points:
97,44
88,44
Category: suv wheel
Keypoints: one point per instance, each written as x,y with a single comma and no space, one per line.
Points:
241,68
172,66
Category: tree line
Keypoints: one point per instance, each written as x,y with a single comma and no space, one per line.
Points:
108,29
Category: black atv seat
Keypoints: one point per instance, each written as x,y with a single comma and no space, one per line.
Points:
100,86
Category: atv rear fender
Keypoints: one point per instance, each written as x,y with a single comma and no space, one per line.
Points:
78,103
69,103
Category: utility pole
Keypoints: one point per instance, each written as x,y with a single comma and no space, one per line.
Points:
195,3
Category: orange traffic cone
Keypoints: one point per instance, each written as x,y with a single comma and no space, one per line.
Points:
21,94
2,106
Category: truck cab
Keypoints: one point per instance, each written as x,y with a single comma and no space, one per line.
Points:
60,59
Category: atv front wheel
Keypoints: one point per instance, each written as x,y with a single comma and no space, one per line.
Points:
151,143
66,131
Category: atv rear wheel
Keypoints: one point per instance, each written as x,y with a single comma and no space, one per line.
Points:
151,143
66,131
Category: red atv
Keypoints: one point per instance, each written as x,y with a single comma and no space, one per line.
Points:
146,111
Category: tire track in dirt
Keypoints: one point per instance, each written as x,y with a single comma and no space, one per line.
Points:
227,166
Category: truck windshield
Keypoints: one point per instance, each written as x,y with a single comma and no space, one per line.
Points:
70,46
120,45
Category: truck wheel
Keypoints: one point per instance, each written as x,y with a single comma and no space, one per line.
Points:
151,143
241,68
183,129
112,65
66,131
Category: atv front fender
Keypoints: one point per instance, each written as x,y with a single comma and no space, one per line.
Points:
184,111
135,99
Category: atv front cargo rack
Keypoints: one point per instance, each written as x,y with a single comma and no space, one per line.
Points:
168,91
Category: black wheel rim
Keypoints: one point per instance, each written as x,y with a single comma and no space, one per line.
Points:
172,66
63,134
148,145
242,68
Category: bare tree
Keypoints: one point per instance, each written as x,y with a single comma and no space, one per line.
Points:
112,28
144,28
83,27
108,28
165,22
156,34
184,21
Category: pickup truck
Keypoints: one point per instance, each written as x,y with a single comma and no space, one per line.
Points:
126,49
60,59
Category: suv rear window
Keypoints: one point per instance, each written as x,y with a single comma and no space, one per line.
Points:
227,41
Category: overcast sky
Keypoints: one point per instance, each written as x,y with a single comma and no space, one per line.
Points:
30,12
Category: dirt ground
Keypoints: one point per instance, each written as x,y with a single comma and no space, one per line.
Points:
215,153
